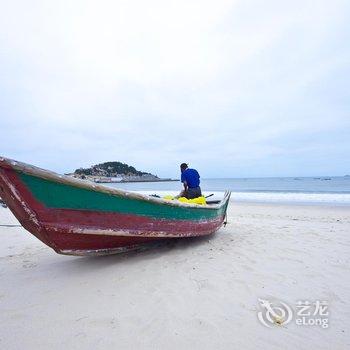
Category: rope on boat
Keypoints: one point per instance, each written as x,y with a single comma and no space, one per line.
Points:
5,225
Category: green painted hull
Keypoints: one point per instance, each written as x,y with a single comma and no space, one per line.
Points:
61,195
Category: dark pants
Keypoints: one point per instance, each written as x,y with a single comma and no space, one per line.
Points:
193,193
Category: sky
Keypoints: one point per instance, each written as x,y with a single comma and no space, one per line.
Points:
234,88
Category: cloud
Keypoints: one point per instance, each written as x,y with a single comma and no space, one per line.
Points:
236,88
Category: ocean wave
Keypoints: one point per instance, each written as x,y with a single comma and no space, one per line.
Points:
293,197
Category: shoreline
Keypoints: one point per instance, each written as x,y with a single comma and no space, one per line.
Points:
131,181
292,204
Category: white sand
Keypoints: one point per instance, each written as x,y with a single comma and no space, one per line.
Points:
193,294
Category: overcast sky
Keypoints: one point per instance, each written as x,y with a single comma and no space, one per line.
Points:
235,88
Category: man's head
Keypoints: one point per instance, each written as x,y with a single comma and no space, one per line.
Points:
183,167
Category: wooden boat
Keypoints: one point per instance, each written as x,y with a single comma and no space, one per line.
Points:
78,217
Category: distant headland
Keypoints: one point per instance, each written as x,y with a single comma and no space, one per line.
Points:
114,172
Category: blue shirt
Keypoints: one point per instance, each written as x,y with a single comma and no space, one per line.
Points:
191,177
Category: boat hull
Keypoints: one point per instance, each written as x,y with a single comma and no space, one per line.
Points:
79,218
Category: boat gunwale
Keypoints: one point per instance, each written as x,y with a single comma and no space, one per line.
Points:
86,184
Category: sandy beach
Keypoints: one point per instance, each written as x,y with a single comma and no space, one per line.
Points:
190,294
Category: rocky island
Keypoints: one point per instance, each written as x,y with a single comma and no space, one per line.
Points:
112,172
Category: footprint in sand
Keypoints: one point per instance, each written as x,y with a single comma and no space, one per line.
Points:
28,265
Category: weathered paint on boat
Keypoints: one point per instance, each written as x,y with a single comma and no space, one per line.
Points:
80,218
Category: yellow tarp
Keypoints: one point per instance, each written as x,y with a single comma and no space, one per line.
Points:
198,200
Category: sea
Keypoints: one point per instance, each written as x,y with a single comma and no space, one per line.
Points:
298,190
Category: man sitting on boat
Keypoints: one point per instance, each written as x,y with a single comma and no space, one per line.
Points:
190,180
